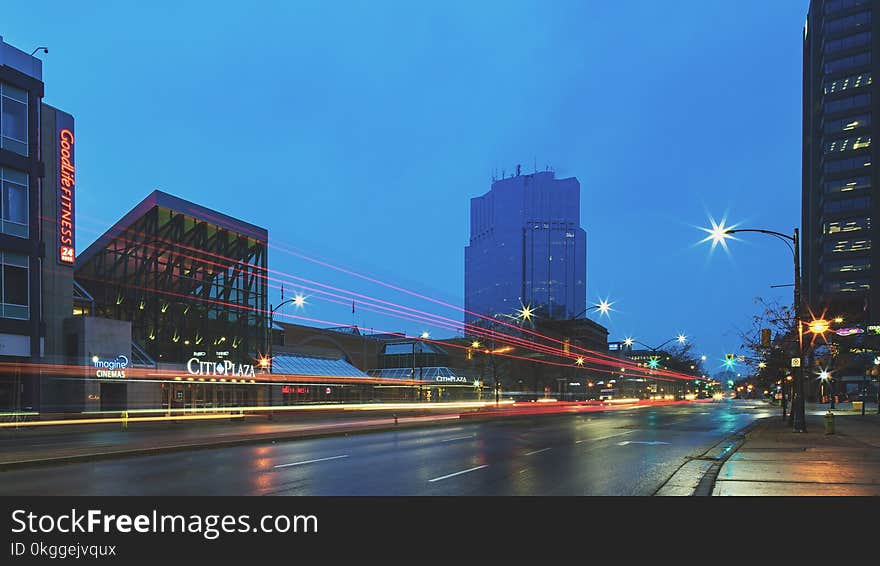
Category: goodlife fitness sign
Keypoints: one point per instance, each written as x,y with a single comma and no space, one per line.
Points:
66,184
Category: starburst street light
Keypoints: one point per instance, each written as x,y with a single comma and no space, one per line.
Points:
579,361
819,326
603,306
425,335
525,313
628,342
681,338
718,233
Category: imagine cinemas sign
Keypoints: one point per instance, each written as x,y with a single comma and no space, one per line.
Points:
224,368
110,369
66,185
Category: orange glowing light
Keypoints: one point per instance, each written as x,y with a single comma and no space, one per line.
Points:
819,326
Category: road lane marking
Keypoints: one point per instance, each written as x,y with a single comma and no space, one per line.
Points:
649,442
537,451
311,461
603,437
458,438
459,473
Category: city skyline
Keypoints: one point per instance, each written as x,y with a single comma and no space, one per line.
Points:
621,149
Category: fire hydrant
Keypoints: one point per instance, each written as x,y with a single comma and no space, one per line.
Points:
829,423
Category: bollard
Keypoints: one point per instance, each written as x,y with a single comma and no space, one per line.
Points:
829,423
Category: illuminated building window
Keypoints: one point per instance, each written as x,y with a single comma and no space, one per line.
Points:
847,124
14,202
13,119
855,286
853,22
847,225
846,185
846,83
848,266
848,144
14,282
839,165
847,103
845,63
847,246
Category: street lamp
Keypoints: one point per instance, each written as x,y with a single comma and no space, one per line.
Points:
266,363
603,306
423,336
719,234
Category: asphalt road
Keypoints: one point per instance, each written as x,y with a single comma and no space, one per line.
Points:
623,452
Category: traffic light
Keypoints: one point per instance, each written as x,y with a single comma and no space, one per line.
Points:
729,361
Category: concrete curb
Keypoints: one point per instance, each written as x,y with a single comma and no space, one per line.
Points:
696,476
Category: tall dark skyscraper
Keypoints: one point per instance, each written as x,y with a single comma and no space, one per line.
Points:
527,248
841,266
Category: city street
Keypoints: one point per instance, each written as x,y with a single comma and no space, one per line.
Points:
623,452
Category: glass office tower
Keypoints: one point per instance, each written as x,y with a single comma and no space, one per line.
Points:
526,248
839,242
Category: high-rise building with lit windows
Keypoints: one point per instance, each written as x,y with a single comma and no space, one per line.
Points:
841,265
527,248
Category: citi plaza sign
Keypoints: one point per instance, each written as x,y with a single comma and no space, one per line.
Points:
223,368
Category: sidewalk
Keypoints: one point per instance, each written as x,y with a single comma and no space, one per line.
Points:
773,460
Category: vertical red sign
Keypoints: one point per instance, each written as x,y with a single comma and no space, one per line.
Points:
66,187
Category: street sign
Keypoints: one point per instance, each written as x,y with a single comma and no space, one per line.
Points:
795,362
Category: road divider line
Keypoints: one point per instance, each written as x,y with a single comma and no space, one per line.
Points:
459,473
603,437
538,451
311,461
458,438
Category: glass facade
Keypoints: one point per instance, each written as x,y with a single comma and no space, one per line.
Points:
13,119
14,278
846,185
526,249
14,202
186,284
846,83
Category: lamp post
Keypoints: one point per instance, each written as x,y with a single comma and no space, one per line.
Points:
524,314
423,336
299,301
719,233
871,372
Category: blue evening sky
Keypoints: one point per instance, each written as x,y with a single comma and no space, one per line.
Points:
357,132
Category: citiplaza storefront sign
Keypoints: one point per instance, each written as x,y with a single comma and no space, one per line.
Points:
223,368
113,368
451,379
